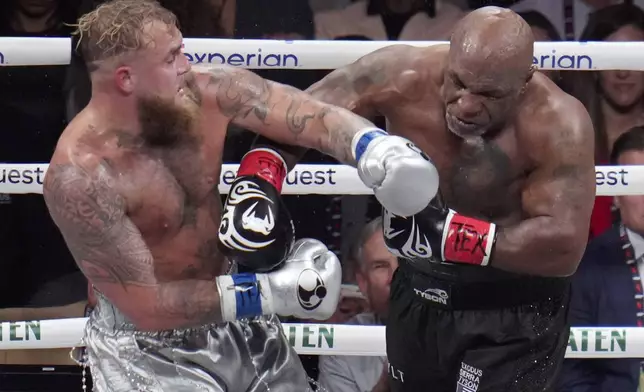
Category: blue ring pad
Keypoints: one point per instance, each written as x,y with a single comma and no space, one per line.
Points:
365,139
247,295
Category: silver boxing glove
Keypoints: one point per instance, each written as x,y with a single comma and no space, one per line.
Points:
403,178
306,286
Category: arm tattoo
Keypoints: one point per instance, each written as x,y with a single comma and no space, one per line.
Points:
110,250
284,113
235,99
91,216
297,122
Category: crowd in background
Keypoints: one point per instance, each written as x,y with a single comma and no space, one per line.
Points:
39,279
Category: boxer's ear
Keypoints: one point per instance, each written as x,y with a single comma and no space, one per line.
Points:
124,80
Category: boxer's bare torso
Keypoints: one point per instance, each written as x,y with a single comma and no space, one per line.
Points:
170,193
483,176
538,163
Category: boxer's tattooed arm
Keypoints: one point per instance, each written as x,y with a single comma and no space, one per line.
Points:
112,254
557,201
91,217
283,113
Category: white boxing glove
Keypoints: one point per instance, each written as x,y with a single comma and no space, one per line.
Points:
403,178
306,286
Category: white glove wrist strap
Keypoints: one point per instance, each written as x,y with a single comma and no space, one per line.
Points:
361,140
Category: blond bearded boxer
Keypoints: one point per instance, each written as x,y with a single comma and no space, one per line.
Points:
133,187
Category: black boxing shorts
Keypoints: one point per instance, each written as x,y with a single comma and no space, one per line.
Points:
473,329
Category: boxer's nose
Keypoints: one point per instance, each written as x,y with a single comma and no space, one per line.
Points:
469,108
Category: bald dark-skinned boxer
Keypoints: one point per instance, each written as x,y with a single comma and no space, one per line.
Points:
480,302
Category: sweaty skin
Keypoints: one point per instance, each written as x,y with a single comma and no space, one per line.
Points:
521,157
138,203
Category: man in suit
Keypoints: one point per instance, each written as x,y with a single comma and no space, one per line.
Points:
607,289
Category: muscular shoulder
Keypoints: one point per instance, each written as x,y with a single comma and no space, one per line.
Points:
80,158
553,119
387,74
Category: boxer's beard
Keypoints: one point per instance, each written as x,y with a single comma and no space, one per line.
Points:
166,123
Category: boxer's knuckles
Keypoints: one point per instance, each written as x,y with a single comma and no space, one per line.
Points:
418,178
403,178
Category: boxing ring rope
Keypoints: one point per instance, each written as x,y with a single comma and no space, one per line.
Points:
319,179
325,339
276,54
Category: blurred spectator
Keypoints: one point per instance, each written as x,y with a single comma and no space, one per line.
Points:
375,266
352,301
32,108
276,19
568,17
325,5
390,20
585,8
614,99
31,98
543,30
607,287
37,17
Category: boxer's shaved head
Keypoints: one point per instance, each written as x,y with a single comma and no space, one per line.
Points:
494,39
490,59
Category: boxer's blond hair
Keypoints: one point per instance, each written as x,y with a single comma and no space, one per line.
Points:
116,28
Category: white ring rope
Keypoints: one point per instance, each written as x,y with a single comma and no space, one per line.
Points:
325,339
321,179
275,54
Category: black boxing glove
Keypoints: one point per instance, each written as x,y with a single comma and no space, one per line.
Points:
256,230
440,234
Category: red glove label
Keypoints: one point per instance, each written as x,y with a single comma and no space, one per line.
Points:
467,240
265,164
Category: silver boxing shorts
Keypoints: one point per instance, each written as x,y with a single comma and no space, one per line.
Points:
245,356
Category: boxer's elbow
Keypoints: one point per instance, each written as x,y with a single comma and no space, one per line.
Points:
564,246
541,247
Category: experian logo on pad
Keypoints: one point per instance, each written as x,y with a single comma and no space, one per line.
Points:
258,59
2,58
565,61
